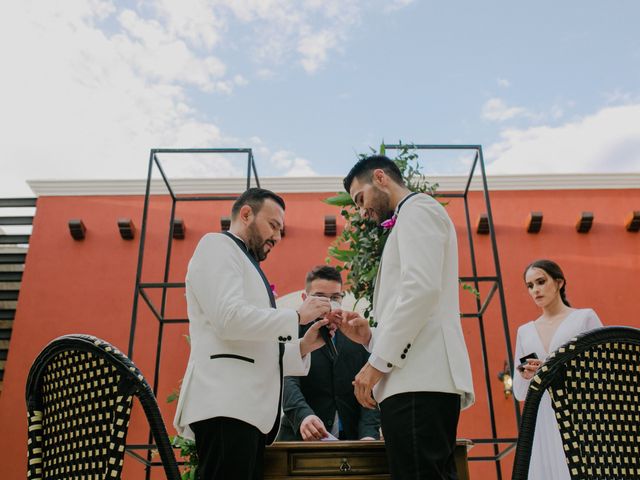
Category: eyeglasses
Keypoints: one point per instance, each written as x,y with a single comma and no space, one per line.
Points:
334,297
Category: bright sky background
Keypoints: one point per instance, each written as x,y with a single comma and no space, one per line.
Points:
88,87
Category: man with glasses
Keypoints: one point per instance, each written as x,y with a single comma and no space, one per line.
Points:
322,405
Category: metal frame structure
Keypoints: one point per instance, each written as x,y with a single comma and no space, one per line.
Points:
141,287
496,285
494,282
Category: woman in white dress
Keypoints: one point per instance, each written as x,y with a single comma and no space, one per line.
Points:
557,324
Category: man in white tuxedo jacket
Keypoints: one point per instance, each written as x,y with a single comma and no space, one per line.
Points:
241,346
419,371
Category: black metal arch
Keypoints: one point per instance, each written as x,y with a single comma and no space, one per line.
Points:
142,288
493,281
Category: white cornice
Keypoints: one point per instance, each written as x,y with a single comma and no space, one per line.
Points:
582,181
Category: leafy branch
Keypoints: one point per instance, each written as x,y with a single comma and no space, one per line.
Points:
359,247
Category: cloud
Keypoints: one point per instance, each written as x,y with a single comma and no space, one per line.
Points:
281,162
314,49
556,112
80,103
503,82
291,165
157,53
202,165
290,30
265,73
193,20
397,5
608,140
89,86
496,110
618,97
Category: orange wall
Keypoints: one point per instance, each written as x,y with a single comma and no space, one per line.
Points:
87,286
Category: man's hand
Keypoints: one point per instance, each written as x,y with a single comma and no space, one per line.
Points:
364,383
355,327
334,317
312,339
312,308
312,428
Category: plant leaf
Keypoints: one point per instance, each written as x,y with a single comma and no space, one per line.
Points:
342,199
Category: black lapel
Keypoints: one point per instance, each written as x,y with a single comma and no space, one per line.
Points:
404,200
255,263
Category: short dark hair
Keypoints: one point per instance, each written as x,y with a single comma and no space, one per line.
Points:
367,165
254,197
552,269
323,272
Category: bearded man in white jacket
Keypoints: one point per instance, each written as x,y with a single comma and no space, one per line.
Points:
419,371
241,345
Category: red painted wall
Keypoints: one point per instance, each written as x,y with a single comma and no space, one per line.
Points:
87,286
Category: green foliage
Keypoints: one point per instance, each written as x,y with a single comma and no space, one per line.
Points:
189,453
359,248
470,289
173,396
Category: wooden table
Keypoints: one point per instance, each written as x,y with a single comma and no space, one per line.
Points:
339,460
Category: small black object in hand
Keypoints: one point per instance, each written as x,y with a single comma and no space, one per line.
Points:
524,360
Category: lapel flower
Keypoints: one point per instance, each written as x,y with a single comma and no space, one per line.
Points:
388,224
273,289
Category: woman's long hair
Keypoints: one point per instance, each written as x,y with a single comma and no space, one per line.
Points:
554,271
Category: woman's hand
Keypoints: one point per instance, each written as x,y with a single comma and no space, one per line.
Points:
530,368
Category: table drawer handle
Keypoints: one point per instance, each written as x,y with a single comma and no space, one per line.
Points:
344,465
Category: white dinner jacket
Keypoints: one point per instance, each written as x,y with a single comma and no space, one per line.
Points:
416,306
233,368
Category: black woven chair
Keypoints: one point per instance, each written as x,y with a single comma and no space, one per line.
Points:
79,396
594,384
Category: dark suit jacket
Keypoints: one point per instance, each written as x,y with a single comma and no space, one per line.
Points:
328,388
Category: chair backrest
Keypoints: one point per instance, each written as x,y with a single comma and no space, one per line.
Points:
594,384
79,392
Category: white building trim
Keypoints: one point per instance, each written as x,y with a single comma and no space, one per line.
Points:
574,181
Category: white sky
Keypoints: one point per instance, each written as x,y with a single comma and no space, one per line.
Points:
88,87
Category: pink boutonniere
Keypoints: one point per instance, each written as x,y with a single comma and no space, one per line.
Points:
388,224
273,289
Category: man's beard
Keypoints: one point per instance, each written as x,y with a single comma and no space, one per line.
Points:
381,205
255,243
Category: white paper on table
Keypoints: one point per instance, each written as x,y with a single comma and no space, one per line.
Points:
329,438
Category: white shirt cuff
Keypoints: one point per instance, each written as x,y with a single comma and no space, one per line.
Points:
380,364
293,363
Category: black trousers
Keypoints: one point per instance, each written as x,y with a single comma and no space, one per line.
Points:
228,449
419,431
